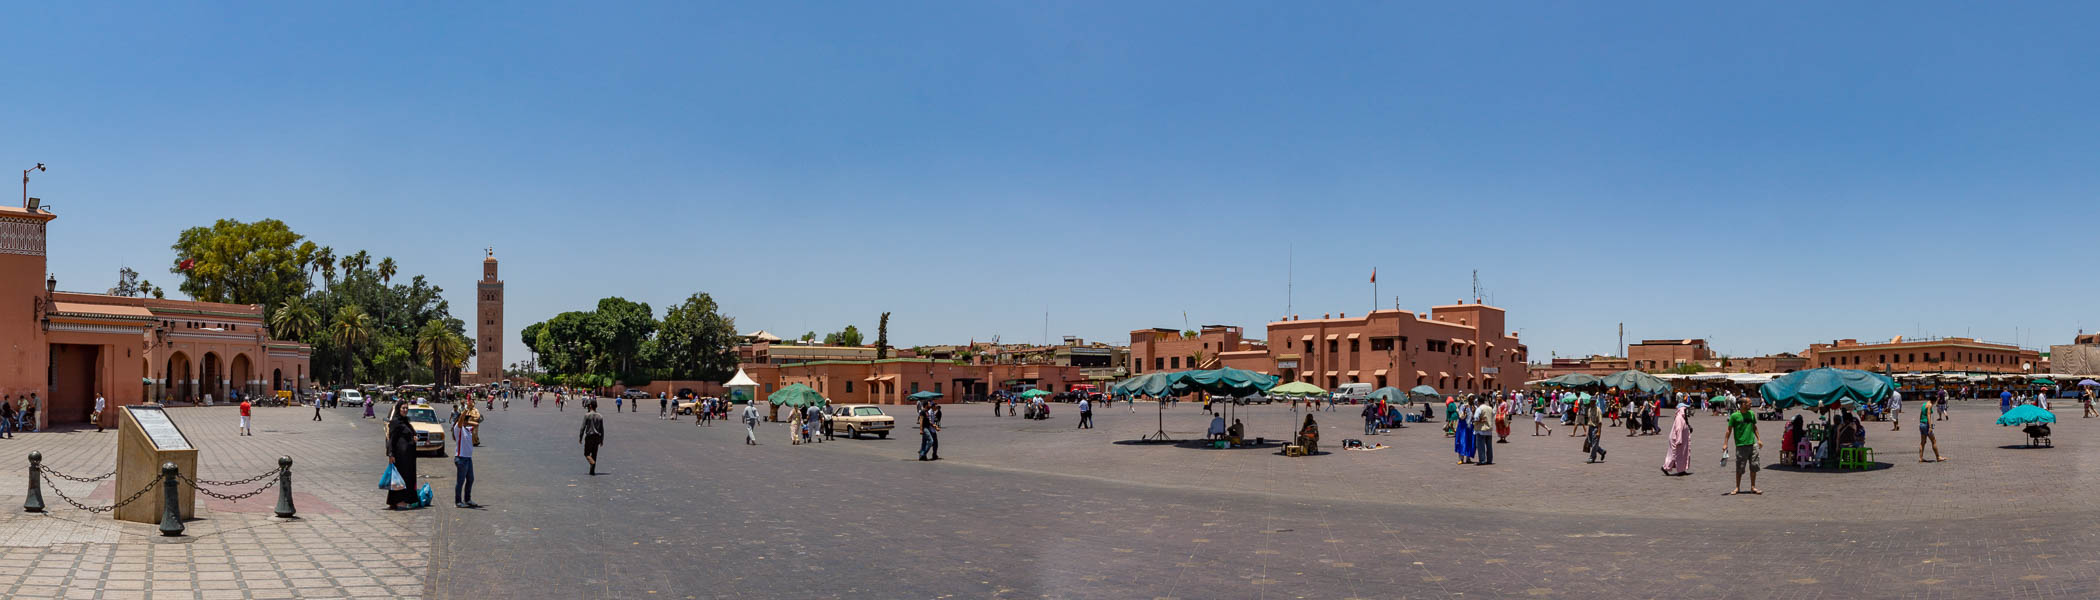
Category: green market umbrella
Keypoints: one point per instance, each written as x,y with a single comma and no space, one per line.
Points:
1034,393
2026,414
1636,381
1815,388
1391,395
1573,380
797,396
924,396
1223,382
1424,391
1296,388
2042,381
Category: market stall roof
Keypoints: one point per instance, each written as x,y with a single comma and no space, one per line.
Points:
1636,381
1296,388
1827,386
740,380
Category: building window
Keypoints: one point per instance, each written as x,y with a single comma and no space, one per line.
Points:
1158,363
915,387
1175,363
1381,344
1308,346
936,387
849,386
1333,347
1352,345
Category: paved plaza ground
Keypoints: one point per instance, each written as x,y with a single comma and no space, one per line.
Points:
1037,509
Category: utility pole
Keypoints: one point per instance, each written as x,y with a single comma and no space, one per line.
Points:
1622,339
25,183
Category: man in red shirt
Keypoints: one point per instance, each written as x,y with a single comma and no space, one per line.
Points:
244,418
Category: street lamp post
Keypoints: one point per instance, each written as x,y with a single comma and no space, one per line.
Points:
25,183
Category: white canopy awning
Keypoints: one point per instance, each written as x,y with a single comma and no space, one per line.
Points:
740,380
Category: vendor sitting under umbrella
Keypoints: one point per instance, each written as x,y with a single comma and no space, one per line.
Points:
1234,433
1217,428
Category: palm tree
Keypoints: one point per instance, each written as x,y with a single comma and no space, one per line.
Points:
387,269
324,263
352,328
356,263
294,320
441,346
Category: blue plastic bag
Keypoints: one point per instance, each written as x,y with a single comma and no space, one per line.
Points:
423,496
392,480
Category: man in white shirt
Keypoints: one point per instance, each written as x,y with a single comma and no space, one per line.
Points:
1896,410
100,405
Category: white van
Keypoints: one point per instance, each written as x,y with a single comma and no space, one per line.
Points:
1353,392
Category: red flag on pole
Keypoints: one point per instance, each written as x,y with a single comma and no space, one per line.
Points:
186,264
1374,274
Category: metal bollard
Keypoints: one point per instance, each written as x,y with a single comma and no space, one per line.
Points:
285,510
171,502
35,502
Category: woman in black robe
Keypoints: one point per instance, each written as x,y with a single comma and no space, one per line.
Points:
401,451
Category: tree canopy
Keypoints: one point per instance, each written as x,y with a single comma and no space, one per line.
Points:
621,341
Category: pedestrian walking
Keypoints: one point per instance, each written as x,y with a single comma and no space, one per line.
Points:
663,406
1461,432
1370,420
1593,435
1086,414
1742,430
1679,458
100,405
244,418
1925,434
929,435
750,424
463,462
1538,417
592,435
1896,411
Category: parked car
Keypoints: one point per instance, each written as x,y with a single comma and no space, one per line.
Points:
856,419
348,397
1254,399
430,432
635,395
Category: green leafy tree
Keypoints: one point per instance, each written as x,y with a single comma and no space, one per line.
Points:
387,269
809,337
697,341
243,263
850,336
622,327
882,337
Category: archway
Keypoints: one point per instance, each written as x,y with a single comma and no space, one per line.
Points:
182,385
240,373
277,380
211,375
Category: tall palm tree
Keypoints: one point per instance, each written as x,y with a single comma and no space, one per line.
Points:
443,348
356,263
352,328
324,263
294,320
387,269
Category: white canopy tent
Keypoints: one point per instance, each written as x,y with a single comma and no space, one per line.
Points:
744,382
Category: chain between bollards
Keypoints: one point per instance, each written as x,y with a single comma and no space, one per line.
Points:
171,503
35,502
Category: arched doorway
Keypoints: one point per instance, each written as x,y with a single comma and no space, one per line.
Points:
210,377
240,373
277,380
182,385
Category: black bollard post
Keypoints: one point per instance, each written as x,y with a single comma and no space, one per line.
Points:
285,510
171,502
35,502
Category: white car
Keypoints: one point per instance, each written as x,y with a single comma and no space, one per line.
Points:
349,398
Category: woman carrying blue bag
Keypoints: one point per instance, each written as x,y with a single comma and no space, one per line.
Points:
401,452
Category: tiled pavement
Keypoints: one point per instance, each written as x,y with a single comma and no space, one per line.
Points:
1038,509
341,545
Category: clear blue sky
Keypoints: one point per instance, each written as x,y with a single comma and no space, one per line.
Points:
1763,176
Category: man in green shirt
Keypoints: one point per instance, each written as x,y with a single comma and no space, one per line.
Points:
1742,428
